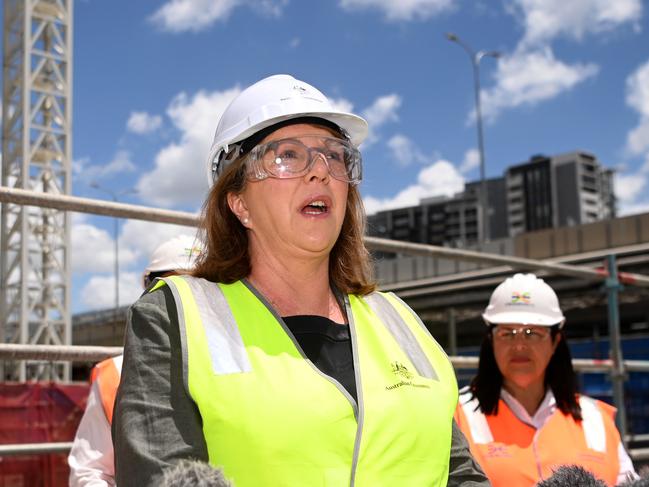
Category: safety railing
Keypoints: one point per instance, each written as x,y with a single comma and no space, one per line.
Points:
88,353
615,366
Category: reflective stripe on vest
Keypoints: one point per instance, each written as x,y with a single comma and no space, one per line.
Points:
514,453
270,417
107,374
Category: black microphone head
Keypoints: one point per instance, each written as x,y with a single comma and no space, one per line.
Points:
571,476
193,473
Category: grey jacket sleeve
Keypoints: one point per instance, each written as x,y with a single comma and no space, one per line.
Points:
463,469
155,422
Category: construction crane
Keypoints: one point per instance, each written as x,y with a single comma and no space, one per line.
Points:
35,270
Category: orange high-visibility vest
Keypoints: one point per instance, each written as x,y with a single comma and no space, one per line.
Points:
513,453
107,374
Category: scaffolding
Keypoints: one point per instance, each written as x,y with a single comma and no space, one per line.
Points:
36,155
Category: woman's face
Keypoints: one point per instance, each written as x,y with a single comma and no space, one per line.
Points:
522,353
296,217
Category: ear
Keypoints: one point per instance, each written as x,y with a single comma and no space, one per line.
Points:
238,206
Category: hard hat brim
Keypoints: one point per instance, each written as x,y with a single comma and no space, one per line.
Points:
522,318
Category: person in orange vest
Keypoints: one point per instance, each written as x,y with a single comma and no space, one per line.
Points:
522,413
91,457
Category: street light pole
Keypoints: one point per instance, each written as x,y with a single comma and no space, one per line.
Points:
475,58
114,196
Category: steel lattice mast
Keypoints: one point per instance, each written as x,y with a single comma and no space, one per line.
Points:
36,155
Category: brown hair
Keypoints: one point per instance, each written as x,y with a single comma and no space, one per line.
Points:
226,258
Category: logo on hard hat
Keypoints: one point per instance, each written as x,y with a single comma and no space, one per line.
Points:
189,251
300,89
521,298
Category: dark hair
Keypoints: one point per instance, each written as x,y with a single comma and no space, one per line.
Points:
226,258
559,376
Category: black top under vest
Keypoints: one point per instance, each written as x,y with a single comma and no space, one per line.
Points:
328,345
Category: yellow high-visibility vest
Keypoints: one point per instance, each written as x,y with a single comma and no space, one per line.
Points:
271,418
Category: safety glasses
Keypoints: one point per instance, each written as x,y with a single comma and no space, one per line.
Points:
293,158
532,334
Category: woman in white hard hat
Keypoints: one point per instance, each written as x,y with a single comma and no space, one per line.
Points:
91,458
277,361
522,413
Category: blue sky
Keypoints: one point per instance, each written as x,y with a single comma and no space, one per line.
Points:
151,79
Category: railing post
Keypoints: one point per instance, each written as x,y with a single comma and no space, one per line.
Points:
452,332
613,287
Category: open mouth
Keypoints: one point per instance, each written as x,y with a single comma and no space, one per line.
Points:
316,207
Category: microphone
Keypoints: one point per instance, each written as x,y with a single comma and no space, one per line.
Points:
576,476
571,476
194,473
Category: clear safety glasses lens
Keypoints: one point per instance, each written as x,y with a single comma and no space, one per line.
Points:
293,158
529,334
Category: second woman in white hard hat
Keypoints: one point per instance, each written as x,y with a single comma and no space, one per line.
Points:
277,361
522,413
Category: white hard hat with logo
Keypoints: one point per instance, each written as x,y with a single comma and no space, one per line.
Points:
524,299
177,253
270,101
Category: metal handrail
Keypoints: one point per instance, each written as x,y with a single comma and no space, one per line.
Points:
137,212
89,353
636,454
34,448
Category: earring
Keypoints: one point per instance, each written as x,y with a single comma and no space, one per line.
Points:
245,221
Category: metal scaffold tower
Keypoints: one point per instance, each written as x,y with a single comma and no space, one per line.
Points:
36,155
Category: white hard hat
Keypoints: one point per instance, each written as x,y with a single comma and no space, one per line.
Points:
270,101
177,253
524,299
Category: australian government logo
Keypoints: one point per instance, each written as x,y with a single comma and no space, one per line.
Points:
406,377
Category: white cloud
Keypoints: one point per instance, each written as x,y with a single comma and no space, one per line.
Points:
441,178
629,186
381,111
405,151
532,74
545,20
88,173
630,189
530,77
93,250
145,236
99,291
637,97
342,104
196,15
401,10
180,173
471,161
143,123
